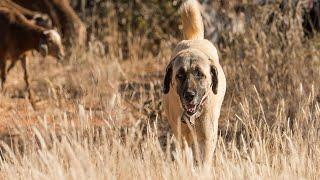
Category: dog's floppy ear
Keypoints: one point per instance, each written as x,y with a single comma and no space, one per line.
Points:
214,77
167,79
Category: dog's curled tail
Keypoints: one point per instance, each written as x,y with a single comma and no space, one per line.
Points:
192,23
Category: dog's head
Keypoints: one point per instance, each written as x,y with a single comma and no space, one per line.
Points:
191,74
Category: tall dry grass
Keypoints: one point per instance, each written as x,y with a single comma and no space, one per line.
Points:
101,117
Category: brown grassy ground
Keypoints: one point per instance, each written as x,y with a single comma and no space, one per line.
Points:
99,114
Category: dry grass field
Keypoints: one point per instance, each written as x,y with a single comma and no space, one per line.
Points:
99,114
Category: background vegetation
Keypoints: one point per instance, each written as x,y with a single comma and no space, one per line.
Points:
100,115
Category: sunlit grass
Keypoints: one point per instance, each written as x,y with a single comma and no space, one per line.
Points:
100,114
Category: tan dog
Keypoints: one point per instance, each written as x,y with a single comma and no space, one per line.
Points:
194,86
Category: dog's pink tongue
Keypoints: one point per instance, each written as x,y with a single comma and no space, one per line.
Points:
191,106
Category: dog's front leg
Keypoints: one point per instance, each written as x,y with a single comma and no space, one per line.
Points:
207,137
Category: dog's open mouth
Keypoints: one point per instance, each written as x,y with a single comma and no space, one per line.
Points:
190,109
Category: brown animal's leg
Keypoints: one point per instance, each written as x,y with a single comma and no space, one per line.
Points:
25,70
3,73
26,79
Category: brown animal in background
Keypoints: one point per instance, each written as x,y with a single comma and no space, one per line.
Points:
194,87
20,36
63,17
38,18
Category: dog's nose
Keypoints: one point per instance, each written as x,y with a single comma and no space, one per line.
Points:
189,95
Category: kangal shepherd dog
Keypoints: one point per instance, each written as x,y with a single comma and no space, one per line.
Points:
194,87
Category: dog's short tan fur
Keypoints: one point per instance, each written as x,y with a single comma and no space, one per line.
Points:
193,52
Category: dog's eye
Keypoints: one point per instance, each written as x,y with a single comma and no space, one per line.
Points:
180,76
198,74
